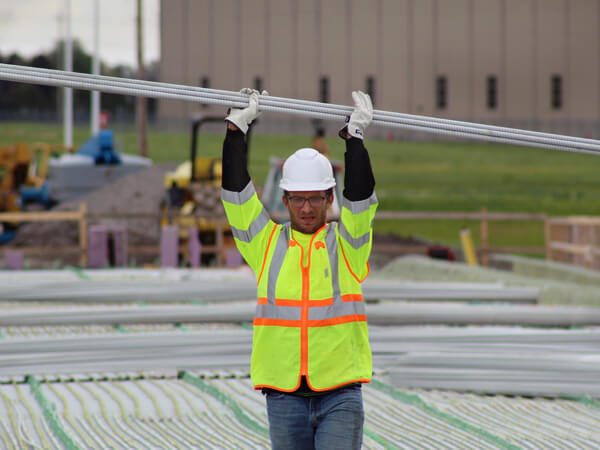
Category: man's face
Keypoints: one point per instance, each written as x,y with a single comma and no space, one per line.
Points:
308,210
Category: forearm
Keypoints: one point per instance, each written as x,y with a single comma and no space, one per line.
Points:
235,169
359,182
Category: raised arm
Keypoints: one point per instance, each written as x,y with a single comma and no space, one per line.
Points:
359,202
235,167
249,221
359,181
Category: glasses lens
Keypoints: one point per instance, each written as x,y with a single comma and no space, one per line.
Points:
316,201
298,202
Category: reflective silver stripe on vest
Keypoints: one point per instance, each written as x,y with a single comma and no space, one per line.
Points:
359,206
338,308
277,261
332,251
238,198
255,227
358,242
270,311
335,310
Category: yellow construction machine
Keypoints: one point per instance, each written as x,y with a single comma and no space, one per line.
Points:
193,199
23,171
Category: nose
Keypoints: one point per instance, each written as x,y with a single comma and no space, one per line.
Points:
306,207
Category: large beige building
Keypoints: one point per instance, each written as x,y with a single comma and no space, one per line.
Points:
526,63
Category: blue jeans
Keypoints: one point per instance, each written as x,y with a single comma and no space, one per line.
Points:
331,421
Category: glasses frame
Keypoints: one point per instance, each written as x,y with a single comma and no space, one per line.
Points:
295,199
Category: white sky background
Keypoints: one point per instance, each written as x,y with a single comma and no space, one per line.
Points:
30,27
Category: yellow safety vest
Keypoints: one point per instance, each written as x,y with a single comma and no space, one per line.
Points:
310,316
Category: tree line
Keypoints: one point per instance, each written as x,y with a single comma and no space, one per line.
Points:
30,101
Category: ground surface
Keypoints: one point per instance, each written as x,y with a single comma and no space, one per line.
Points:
138,193
411,176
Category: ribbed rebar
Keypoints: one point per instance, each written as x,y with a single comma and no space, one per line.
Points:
453,128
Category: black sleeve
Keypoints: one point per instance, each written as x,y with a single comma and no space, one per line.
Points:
235,168
359,181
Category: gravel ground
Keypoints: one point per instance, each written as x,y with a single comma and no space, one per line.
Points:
140,192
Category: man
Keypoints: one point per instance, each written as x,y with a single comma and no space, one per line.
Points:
310,346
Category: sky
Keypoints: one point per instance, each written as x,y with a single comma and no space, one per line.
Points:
33,26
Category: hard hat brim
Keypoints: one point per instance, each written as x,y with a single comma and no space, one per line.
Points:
305,187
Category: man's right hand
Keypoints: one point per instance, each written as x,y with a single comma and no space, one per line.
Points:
242,118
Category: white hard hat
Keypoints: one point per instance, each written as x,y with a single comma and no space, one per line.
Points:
307,170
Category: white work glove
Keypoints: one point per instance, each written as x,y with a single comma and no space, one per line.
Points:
361,116
242,118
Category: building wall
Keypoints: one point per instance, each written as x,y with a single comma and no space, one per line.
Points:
499,60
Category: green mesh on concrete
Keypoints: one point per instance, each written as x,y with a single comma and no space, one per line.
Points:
588,401
227,401
49,410
415,400
80,273
377,438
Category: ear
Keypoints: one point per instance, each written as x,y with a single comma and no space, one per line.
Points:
330,198
284,199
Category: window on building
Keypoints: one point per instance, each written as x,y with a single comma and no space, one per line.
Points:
441,97
492,92
556,91
370,88
324,89
258,84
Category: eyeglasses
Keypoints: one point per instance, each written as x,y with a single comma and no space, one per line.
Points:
315,202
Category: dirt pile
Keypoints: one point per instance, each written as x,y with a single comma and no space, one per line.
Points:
138,193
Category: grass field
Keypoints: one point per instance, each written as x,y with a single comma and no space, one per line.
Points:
412,176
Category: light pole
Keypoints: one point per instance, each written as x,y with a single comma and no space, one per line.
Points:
68,92
95,113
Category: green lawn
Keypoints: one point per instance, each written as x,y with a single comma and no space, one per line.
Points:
413,176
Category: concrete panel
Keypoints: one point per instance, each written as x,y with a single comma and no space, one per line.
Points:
307,68
280,49
233,258
488,56
200,48
453,54
98,247
393,81
172,16
520,84
120,246
13,259
551,54
335,61
253,43
194,247
421,55
226,67
404,44
169,246
365,48
583,75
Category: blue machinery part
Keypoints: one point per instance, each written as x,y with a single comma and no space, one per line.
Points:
101,147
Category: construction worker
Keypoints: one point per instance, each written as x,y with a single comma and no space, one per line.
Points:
310,347
319,143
